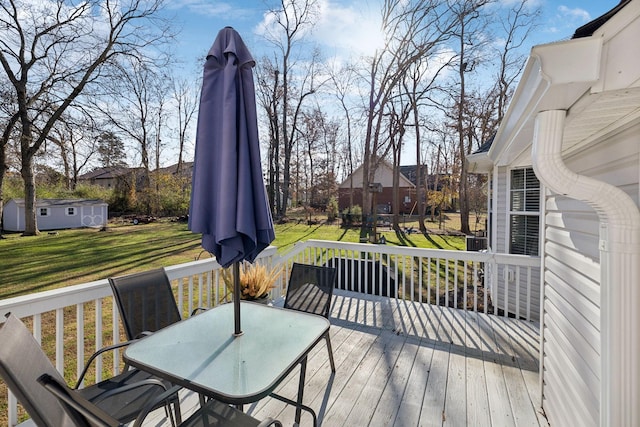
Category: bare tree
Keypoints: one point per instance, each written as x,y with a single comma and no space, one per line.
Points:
479,110
52,51
137,110
269,95
343,80
8,120
418,83
414,30
75,139
397,129
470,23
290,21
186,103
514,28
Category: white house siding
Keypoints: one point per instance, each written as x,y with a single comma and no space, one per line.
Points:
502,213
509,290
571,332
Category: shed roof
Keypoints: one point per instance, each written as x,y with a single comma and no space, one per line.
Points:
43,203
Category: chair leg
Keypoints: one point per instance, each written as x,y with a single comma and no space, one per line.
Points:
328,339
176,407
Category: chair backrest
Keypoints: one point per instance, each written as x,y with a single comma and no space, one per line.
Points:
310,289
77,405
22,362
145,301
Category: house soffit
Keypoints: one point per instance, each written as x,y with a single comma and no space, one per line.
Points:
600,90
596,115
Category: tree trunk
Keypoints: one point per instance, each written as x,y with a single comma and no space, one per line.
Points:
463,196
3,170
30,222
420,193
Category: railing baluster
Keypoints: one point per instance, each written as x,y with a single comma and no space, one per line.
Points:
437,281
12,403
486,288
517,303
60,340
529,293
429,281
475,287
115,327
79,338
99,338
507,279
189,294
456,282
446,283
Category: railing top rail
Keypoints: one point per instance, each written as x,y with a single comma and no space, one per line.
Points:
39,302
524,260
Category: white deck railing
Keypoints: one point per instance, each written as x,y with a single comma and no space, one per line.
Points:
485,282
62,319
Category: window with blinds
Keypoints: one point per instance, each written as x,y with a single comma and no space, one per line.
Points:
525,212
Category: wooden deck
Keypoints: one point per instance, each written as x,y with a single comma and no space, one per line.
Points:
409,364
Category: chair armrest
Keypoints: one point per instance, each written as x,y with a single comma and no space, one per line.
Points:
152,404
268,422
132,386
95,355
144,334
198,309
86,409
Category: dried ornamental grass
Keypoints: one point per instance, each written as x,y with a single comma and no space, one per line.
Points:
256,280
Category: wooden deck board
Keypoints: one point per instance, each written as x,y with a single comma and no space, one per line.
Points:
409,364
396,387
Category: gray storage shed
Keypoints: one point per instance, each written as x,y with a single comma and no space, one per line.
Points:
55,214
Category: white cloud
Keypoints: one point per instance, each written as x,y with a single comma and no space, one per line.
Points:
575,13
340,29
211,9
353,29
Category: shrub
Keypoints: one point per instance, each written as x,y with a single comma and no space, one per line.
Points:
332,209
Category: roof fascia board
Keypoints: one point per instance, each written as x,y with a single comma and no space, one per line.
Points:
555,76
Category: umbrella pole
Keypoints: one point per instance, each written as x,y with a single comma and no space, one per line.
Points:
236,299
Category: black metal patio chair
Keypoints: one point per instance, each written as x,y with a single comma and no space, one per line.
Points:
123,396
85,413
310,290
145,301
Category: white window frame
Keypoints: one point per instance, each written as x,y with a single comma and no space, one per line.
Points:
44,212
534,250
70,211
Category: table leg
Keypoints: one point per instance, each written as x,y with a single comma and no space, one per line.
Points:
298,403
303,371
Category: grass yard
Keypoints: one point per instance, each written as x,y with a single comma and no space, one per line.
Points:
49,261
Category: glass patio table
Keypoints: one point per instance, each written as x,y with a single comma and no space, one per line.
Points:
200,353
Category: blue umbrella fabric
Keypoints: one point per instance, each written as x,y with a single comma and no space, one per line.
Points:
228,198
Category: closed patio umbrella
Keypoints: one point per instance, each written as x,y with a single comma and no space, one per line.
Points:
228,198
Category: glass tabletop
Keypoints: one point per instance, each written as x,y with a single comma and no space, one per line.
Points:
202,354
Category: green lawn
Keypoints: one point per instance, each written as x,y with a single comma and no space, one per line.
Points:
49,261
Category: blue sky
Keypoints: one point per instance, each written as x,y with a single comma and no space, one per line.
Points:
343,25
346,28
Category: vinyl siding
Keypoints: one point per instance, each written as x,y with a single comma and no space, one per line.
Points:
511,283
502,213
571,330
86,215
